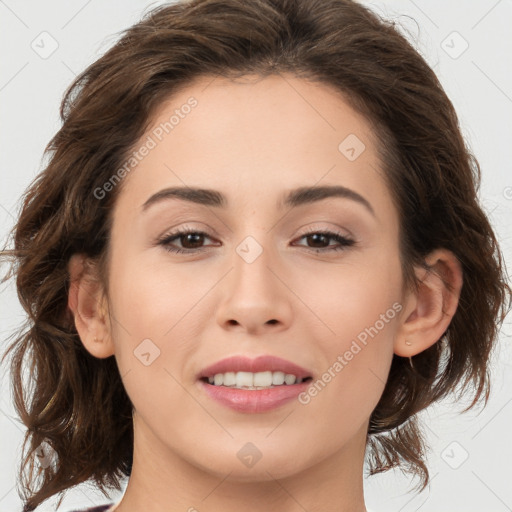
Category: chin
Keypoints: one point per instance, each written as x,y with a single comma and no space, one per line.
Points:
248,463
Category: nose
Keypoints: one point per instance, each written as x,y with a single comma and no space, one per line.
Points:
254,296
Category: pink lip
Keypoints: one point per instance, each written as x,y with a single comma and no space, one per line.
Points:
260,364
254,400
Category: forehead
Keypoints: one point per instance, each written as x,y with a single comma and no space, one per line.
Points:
270,110
253,136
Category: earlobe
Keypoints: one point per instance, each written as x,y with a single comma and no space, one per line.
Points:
88,306
429,309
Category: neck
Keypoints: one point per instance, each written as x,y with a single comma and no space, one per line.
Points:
333,484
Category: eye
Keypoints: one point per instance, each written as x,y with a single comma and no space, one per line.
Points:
320,240
192,241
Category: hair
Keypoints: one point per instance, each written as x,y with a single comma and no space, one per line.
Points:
78,401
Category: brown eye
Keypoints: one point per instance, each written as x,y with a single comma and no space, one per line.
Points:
319,240
191,241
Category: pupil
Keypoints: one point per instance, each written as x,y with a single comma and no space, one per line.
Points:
318,236
190,236
197,238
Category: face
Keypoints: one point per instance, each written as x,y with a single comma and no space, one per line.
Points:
312,279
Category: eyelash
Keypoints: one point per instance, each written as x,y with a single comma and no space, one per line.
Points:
168,238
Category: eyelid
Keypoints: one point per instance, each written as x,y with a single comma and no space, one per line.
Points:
335,230
310,229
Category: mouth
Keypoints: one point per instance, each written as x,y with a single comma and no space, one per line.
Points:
254,385
260,380
264,372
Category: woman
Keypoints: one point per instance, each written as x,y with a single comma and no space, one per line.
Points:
266,213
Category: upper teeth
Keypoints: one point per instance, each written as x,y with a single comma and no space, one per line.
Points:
253,380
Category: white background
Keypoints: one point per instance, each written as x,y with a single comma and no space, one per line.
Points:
478,81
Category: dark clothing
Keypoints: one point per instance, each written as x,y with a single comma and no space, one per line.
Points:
100,508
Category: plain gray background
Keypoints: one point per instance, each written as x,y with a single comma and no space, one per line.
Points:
468,43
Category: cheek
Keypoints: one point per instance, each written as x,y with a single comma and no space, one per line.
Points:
351,296
152,299
154,322
155,338
350,383
358,307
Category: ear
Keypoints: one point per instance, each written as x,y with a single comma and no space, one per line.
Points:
429,310
89,307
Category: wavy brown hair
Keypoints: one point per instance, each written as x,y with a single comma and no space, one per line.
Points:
77,403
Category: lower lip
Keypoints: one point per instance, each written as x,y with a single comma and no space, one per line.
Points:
254,400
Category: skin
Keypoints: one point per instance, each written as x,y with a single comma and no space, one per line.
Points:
254,140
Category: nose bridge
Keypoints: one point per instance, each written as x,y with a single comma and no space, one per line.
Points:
252,280
253,296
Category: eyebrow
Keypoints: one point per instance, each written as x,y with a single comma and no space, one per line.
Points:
292,199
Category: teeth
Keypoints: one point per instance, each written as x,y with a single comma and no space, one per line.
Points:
261,379
250,380
278,378
289,379
229,379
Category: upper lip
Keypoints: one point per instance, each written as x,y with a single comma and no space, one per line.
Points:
259,364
